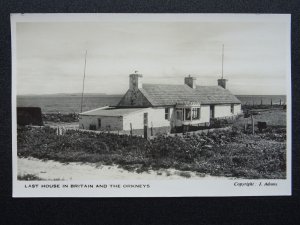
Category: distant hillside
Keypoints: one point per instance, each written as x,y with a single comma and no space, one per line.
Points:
69,95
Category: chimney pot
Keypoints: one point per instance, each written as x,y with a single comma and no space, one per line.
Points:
190,81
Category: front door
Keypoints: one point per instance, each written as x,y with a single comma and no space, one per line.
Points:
145,125
212,111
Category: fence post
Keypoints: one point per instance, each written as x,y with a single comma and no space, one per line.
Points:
145,131
151,129
59,130
252,120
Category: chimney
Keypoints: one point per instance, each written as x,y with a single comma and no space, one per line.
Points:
222,83
135,81
190,81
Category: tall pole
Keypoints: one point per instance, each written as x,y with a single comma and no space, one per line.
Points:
222,59
252,121
83,81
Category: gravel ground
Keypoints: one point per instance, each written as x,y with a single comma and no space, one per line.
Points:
52,170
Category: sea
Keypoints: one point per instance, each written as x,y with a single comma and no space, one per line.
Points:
72,104
262,99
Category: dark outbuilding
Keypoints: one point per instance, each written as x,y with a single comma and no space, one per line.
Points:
29,116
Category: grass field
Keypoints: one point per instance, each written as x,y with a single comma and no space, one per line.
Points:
273,116
233,153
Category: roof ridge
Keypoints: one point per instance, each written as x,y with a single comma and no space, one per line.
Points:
208,86
164,84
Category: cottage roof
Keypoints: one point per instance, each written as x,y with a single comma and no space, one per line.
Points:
161,94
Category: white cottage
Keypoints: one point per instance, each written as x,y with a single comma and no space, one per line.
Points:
163,108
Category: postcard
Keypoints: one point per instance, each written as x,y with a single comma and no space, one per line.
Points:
151,105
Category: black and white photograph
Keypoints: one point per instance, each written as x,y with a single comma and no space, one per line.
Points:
151,105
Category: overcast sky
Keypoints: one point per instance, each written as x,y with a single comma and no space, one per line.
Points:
50,55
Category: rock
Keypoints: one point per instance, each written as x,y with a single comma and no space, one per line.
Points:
201,140
207,146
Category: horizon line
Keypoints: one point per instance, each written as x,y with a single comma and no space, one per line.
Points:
99,93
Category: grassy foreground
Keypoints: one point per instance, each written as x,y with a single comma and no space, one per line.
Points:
232,153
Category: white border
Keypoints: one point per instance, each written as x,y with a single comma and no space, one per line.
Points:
184,187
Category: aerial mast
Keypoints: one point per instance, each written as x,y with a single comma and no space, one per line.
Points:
222,59
222,81
83,81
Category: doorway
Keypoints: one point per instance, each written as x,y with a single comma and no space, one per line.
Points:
212,111
145,125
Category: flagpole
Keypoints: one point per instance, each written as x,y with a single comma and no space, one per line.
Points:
83,81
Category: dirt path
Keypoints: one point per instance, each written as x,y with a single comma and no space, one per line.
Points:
52,170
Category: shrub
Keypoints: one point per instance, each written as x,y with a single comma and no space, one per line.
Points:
217,153
28,177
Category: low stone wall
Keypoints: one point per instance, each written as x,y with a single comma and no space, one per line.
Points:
205,131
155,131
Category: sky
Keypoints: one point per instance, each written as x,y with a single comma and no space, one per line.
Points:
50,55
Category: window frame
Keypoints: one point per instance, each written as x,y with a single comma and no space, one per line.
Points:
145,118
167,113
187,113
195,113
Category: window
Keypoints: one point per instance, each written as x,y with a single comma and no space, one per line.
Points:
145,119
92,126
167,113
99,123
179,114
187,114
196,113
232,108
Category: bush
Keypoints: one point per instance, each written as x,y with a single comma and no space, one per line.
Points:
28,177
217,153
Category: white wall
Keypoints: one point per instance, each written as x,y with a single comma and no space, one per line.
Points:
205,114
222,111
115,123
156,118
237,109
136,119
225,110
85,121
